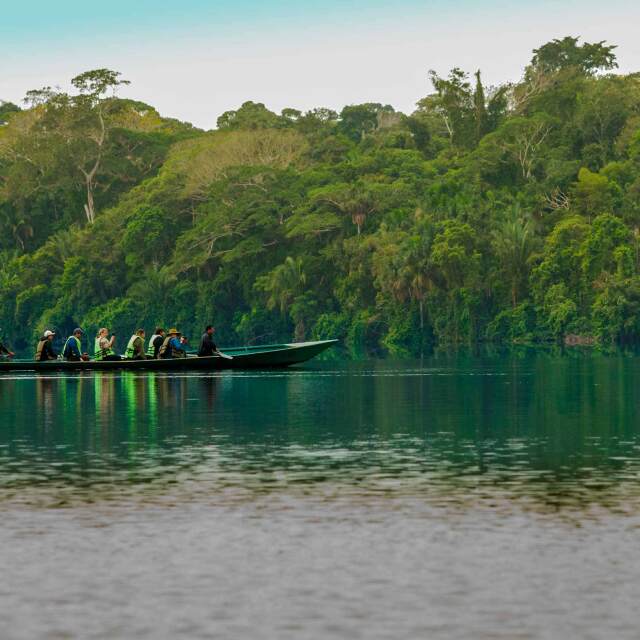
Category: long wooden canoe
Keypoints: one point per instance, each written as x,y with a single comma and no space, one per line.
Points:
264,356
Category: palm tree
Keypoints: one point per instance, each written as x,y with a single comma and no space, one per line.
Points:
416,272
355,200
514,243
403,268
283,284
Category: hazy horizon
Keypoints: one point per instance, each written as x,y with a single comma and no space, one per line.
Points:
197,60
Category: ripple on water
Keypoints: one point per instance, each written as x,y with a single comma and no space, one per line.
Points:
497,499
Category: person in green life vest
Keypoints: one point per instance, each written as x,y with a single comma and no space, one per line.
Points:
4,352
103,346
174,345
155,343
135,348
73,347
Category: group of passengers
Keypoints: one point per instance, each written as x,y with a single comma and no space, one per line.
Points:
162,344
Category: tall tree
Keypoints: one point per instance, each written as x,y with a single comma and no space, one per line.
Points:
565,53
88,126
480,108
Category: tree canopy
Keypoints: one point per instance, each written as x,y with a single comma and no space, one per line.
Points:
507,213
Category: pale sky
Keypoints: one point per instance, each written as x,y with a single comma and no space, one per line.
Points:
195,59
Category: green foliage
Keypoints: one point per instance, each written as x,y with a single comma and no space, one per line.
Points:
508,213
559,311
561,260
283,284
148,236
514,242
616,308
356,121
6,110
466,113
120,315
330,326
365,330
592,193
514,325
251,115
560,54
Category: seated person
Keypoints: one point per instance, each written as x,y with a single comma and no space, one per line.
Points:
73,347
155,343
207,345
103,346
44,350
174,345
135,348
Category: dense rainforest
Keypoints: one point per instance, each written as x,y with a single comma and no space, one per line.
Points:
505,214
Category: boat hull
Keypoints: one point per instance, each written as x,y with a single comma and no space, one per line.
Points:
262,357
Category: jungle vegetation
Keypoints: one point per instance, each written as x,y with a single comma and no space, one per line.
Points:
506,214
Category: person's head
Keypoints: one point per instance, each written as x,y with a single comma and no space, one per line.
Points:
78,332
103,333
174,333
140,332
210,330
49,335
159,331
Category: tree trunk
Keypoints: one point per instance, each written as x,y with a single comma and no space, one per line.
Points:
89,207
359,218
299,331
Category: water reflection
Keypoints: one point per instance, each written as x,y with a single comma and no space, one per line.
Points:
538,430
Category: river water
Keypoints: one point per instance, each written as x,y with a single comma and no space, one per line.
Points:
451,497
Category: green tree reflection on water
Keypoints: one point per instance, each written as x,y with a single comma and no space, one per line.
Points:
552,430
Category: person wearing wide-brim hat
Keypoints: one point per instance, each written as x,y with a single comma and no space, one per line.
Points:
173,345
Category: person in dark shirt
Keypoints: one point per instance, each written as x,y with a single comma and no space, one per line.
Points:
4,352
72,350
45,350
207,345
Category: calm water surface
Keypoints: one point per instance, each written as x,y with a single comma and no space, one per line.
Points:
452,497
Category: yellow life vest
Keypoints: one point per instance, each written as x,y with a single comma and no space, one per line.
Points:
66,344
130,352
99,353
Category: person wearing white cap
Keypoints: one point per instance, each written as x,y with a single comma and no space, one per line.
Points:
45,351
4,352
